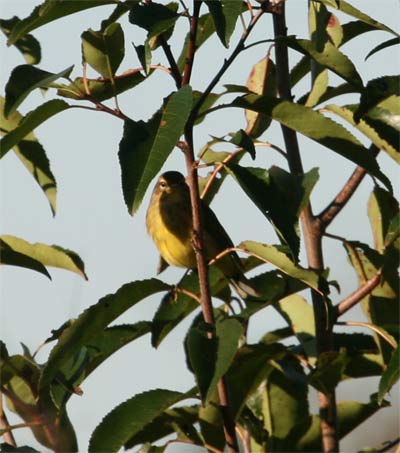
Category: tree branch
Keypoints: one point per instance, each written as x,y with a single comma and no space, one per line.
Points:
355,297
198,239
339,202
8,435
312,237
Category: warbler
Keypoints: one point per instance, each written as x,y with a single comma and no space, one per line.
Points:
169,223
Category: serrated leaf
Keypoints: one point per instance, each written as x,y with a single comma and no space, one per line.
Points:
260,81
145,146
48,255
314,125
104,50
28,45
31,154
130,417
347,113
85,329
225,14
228,334
270,190
346,8
271,254
179,420
329,371
154,17
30,121
100,89
49,11
383,45
390,376
329,57
24,79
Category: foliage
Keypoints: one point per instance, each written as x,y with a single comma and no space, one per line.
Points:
268,382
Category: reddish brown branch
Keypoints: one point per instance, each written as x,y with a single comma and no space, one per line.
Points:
312,237
8,435
341,199
355,297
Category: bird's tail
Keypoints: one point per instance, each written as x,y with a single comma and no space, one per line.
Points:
243,287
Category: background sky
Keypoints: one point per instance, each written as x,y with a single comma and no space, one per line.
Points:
93,220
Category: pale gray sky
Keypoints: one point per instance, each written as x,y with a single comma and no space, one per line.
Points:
92,218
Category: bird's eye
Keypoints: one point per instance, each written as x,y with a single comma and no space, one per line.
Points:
163,184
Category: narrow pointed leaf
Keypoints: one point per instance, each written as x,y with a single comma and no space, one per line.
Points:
145,146
28,45
130,417
23,80
48,255
32,120
104,50
49,11
271,254
31,154
225,14
347,113
93,320
390,376
99,89
314,125
384,45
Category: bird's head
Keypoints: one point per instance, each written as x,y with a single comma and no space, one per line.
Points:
170,183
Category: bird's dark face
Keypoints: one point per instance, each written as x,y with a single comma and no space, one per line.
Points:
171,183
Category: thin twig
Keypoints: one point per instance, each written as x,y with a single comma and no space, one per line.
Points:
376,329
312,237
5,426
356,297
341,199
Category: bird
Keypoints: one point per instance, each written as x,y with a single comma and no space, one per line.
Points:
169,223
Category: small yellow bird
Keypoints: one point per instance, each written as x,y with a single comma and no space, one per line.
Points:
169,223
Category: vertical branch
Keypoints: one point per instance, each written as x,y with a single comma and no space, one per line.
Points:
8,435
312,236
198,239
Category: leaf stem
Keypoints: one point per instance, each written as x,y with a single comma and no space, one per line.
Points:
312,237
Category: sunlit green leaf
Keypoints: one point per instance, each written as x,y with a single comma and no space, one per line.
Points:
51,10
48,255
23,80
145,146
130,417
28,45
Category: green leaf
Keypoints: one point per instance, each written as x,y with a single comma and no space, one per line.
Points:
49,11
23,80
243,140
104,50
270,190
24,449
347,113
93,320
100,89
143,53
28,45
272,254
390,376
346,8
32,155
179,420
211,426
315,126
383,45
329,57
13,258
375,92
29,122
225,14
262,80
48,255
328,371
154,17
228,333
145,146
130,417
204,30
285,405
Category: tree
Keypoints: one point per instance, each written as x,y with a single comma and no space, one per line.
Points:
250,394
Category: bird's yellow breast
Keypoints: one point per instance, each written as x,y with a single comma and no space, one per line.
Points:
171,233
